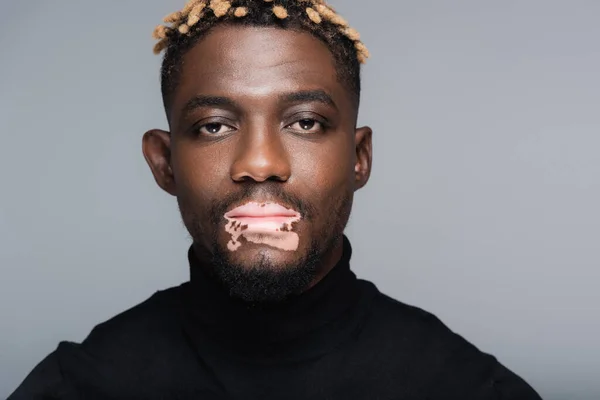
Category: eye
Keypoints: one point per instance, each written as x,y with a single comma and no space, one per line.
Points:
307,125
214,129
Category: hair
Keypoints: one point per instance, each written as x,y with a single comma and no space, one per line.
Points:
188,26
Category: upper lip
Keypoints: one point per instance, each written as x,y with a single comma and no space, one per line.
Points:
261,210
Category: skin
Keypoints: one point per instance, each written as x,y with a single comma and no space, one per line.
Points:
254,142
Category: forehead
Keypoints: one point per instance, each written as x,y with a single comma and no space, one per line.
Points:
241,61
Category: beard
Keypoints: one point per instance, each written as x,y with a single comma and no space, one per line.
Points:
264,281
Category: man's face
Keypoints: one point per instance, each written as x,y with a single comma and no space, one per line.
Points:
263,154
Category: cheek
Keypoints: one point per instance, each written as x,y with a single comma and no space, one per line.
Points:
198,174
327,173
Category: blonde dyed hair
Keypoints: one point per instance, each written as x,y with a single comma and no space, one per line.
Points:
198,14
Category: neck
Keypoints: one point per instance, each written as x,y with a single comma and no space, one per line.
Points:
328,261
249,327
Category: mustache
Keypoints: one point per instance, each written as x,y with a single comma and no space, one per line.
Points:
265,191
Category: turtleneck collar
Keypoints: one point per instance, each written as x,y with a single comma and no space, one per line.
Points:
249,329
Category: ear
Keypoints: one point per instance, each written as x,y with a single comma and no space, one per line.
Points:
364,156
156,146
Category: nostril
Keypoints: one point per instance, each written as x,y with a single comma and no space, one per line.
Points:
241,178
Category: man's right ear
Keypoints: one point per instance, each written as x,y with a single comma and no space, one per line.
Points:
156,146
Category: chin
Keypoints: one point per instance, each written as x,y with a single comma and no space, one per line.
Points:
261,273
262,256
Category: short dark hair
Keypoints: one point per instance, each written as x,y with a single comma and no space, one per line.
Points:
198,17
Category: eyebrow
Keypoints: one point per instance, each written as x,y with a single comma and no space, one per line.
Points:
208,101
307,96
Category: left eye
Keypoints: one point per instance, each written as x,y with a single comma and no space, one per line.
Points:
307,125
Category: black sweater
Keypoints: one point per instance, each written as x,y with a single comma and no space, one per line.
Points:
342,339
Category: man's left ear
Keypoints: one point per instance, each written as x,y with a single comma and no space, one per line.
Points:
364,156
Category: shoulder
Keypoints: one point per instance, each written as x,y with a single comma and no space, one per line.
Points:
133,338
423,337
405,321
110,354
420,336
133,346
440,359
147,324
150,317
413,322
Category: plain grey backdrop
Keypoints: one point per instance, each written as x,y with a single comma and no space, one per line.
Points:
482,207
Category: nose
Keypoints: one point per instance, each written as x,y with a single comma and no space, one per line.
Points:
261,156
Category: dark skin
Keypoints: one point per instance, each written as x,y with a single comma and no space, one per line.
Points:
259,111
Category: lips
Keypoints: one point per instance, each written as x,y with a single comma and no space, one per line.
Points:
254,212
262,223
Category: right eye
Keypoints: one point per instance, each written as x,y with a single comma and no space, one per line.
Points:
214,129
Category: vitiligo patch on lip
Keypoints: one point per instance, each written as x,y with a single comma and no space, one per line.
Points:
262,223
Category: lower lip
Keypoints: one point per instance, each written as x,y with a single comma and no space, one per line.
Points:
274,231
264,221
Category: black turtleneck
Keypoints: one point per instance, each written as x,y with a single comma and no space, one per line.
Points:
342,339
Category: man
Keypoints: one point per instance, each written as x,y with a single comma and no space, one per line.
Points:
263,156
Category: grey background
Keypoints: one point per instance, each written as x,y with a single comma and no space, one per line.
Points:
482,207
